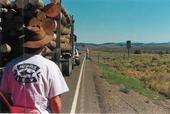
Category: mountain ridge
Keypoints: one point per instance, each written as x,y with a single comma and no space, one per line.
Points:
122,45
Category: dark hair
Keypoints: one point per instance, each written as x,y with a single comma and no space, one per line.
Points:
31,36
32,50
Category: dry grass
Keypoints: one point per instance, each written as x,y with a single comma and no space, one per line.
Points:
153,70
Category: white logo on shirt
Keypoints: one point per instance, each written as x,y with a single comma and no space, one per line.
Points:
27,73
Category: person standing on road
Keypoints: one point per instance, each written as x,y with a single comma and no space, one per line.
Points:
87,53
32,80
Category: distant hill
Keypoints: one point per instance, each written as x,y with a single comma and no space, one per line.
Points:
123,45
96,46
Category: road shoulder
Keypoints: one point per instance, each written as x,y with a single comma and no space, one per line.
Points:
111,100
88,99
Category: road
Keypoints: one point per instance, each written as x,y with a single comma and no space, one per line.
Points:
82,97
107,99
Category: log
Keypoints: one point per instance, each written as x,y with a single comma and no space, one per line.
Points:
3,10
65,42
65,39
5,48
52,10
55,1
49,25
65,46
55,37
39,3
63,19
46,51
66,36
41,15
23,3
13,20
52,45
5,2
34,22
65,30
66,15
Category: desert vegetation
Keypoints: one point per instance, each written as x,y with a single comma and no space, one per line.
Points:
127,83
153,70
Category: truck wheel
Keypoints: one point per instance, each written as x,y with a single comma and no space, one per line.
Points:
73,61
72,65
67,67
77,62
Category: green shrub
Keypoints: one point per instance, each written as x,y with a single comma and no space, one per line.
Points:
115,77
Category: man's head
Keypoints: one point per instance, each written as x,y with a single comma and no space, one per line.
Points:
35,39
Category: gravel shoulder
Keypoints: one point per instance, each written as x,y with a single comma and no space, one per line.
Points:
111,100
88,101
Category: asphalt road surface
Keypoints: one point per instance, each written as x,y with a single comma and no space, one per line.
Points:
82,97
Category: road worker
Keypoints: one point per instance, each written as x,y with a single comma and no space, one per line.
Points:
32,80
87,53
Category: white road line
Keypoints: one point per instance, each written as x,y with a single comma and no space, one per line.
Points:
82,92
74,104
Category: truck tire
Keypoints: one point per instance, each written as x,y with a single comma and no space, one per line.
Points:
67,67
77,61
73,63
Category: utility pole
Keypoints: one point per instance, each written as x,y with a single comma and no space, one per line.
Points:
128,45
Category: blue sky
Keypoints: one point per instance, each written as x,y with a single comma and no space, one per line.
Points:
100,21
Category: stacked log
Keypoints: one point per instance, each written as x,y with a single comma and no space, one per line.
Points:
65,47
23,3
65,15
65,39
65,30
4,2
52,45
5,48
15,16
65,43
23,13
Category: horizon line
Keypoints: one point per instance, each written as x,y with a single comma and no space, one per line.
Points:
125,42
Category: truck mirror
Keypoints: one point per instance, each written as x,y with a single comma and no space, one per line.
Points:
75,38
73,21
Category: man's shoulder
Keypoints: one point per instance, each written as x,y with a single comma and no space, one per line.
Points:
40,58
13,62
48,61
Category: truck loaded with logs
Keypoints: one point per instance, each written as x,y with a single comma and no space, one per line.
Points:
16,15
